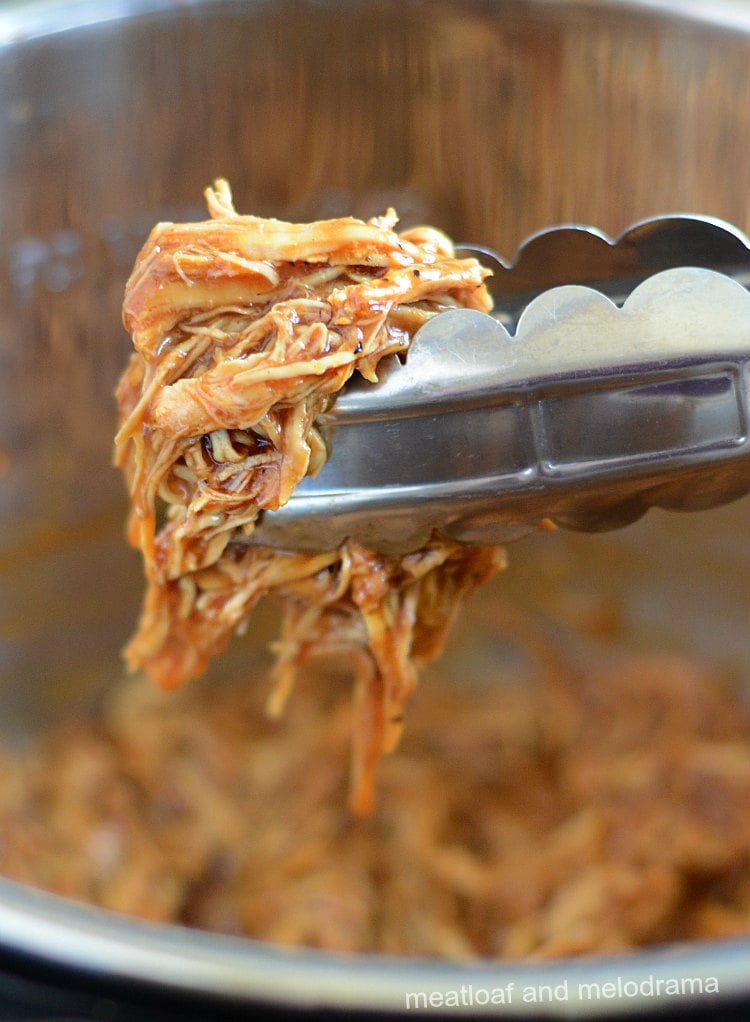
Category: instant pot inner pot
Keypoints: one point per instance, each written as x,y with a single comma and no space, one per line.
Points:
490,120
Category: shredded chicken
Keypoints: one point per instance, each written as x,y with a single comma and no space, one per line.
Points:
244,329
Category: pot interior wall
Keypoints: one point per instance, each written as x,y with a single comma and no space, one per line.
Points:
489,119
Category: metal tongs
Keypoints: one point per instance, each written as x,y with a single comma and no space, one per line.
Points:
612,377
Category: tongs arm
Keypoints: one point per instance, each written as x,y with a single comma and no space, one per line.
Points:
587,416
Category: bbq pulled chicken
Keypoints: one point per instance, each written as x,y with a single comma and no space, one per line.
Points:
244,329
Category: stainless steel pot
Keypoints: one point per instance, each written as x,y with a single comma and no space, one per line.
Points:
491,119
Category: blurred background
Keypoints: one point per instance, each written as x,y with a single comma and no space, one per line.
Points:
490,119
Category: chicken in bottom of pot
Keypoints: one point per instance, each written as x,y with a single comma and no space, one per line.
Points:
592,809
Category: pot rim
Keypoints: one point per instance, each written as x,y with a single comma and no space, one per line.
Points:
25,20
171,958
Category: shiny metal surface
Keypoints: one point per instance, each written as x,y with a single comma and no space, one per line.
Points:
582,254
559,407
593,112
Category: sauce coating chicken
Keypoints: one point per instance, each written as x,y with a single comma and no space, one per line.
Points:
244,329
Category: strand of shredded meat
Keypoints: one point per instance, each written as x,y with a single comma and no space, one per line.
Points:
244,329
